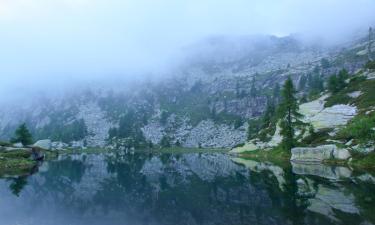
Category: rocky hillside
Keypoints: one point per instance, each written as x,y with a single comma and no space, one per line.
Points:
338,124
206,102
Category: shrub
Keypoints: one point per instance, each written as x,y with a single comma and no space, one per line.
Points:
360,128
370,65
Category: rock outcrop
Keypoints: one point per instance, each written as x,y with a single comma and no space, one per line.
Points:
330,117
43,144
205,134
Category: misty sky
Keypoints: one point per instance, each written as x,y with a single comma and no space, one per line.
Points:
41,39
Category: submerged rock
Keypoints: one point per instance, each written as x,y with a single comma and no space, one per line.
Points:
318,154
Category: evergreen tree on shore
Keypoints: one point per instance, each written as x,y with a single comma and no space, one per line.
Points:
23,135
288,111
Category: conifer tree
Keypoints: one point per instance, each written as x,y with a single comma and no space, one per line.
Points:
23,135
288,111
276,93
253,90
269,113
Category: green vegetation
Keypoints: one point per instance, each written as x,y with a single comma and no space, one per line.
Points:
361,128
277,156
261,127
338,82
316,138
16,162
129,130
362,161
370,65
254,125
288,112
57,131
23,135
325,63
356,83
165,142
315,84
16,154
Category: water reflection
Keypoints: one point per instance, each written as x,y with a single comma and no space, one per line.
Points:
196,188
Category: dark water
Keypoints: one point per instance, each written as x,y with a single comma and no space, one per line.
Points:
191,188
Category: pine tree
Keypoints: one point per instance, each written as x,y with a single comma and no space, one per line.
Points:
288,111
302,83
338,82
23,135
165,142
253,90
269,113
276,93
332,84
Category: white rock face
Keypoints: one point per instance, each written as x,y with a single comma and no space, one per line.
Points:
153,132
97,124
276,138
318,154
206,134
44,144
355,94
330,117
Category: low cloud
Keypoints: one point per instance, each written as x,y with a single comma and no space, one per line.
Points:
77,39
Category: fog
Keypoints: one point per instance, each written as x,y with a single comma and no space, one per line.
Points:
61,41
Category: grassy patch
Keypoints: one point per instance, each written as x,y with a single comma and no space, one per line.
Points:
5,144
277,155
317,138
339,98
360,129
16,154
357,83
13,166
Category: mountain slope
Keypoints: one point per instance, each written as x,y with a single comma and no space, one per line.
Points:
205,103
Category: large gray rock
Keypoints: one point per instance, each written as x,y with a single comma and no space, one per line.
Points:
18,145
318,154
58,145
330,117
44,144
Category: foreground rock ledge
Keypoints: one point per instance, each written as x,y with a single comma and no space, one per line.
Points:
319,154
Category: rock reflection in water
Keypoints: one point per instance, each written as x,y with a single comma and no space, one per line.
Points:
335,197
321,170
191,188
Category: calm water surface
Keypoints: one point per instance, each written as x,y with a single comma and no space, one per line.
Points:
191,188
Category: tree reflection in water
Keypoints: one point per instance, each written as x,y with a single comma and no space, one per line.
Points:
191,188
